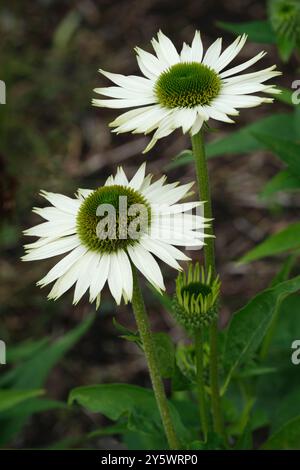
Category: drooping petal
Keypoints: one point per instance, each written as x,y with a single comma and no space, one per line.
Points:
100,276
63,265
145,263
115,279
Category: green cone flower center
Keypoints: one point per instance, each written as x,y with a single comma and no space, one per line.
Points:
186,85
196,288
112,218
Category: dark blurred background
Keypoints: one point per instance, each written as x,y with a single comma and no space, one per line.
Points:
52,138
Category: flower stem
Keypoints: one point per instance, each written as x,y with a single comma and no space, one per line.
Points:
143,325
209,257
200,382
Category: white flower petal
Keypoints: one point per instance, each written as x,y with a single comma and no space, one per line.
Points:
147,72
64,203
243,66
120,177
123,103
126,271
160,249
84,192
177,208
145,263
100,276
186,53
52,213
65,282
156,46
150,61
115,279
129,115
52,229
218,115
197,48
54,248
197,124
63,265
230,53
131,82
86,274
185,118
137,180
168,49
212,54
118,92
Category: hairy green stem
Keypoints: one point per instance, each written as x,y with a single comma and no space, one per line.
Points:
143,325
209,257
200,382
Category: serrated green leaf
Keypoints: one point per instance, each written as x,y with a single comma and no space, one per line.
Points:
135,403
281,242
250,324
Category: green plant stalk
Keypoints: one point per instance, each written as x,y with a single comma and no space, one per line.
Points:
209,257
200,382
143,325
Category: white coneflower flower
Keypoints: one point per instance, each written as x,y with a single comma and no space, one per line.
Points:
186,89
97,255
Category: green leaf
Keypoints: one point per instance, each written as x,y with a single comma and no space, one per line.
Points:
245,440
250,324
286,150
278,394
257,31
281,242
25,350
34,372
135,403
13,420
283,181
243,140
285,96
66,29
287,438
285,270
285,47
129,335
11,398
